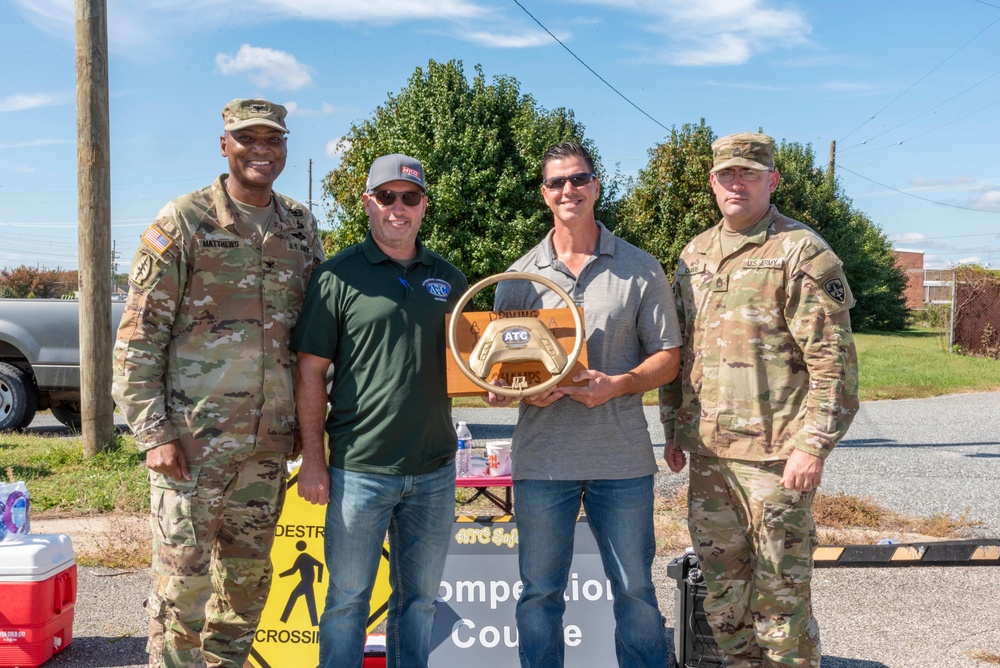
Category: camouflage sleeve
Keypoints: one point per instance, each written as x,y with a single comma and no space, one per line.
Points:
818,316
156,285
317,246
670,395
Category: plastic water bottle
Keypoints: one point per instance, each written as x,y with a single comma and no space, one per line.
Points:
464,453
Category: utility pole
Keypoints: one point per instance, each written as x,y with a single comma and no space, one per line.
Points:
94,195
831,170
309,202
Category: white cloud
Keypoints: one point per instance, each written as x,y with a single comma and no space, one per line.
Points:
932,182
336,148
908,237
34,143
295,110
377,11
716,32
510,41
268,68
22,102
988,199
142,28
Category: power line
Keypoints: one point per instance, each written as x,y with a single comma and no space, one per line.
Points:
903,192
925,132
127,222
603,80
910,87
913,118
958,236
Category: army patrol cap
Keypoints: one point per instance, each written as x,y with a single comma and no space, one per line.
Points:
240,114
744,149
395,167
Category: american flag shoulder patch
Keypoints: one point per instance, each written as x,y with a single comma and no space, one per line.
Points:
156,239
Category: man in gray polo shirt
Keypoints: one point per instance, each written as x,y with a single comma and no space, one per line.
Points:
590,443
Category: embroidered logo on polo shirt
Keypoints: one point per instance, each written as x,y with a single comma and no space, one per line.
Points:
437,288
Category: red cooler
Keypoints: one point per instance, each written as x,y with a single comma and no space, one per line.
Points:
37,597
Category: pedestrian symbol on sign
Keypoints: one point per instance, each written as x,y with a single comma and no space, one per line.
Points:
310,570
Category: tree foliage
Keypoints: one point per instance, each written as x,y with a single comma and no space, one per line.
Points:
480,144
809,195
27,282
672,202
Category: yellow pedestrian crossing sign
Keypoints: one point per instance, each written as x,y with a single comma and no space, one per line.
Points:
288,634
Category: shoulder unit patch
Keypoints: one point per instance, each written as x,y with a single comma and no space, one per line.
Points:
835,288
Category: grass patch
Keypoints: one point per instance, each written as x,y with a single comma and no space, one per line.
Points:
916,364
842,512
60,478
670,522
991,658
124,544
841,519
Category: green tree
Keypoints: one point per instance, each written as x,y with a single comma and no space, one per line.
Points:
672,202
807,194
480,144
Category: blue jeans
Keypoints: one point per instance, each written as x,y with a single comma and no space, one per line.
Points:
418,513
620,513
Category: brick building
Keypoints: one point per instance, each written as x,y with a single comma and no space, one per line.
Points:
912,262
923,286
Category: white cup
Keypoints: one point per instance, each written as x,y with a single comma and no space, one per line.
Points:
498,457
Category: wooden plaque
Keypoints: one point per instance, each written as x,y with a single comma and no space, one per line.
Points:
558,320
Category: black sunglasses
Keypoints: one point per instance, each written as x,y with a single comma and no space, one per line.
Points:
575,180
388,197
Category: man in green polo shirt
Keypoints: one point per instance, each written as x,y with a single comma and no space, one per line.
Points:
376,312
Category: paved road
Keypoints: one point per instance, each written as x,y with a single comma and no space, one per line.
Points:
918,457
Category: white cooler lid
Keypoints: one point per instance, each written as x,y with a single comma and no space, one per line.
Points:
34,557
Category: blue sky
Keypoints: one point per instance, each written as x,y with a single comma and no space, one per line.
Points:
910,90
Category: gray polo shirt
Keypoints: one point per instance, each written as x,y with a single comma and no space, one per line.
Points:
629,314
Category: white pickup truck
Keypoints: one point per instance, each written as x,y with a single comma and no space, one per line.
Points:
40,359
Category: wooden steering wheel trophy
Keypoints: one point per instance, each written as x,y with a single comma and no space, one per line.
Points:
526,348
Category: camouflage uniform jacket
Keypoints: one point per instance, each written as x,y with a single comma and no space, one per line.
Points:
202,350
768,362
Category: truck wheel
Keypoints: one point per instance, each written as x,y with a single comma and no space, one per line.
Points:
18,398
69,415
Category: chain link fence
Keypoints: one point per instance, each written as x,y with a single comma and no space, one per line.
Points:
975,325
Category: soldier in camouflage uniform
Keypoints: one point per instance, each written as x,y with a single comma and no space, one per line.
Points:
768,386
204,377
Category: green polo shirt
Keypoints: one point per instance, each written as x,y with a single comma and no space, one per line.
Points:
383,327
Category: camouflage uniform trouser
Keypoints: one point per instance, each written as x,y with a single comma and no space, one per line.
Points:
755,540
212,538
